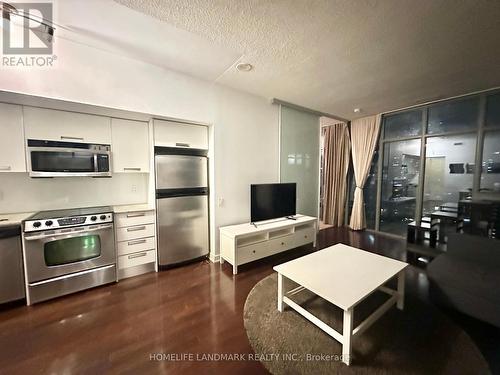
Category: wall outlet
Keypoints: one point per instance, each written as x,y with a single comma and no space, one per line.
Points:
220,202
133,189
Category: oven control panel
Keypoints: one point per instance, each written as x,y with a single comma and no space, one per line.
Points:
66,222
71,221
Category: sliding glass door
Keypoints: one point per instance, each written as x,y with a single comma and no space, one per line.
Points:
400,181
299,157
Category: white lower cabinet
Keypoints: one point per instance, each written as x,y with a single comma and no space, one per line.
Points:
136,259
136,231
244,243
135,243
134,246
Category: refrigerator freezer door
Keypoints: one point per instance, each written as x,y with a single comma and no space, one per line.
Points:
182,229
180,171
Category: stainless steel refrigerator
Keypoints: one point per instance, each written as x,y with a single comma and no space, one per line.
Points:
181,205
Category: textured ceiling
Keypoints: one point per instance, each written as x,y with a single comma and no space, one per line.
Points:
335,55
112,27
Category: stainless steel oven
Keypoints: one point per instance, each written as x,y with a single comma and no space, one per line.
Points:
63,159
64,254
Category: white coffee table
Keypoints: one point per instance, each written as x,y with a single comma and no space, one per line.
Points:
344,276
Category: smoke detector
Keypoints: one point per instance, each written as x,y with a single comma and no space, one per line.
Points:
244,67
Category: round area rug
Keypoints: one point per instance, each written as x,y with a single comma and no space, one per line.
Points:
417,340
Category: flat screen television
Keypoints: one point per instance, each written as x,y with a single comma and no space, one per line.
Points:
271,201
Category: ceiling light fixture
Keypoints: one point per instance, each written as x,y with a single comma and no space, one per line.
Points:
357,110
244,67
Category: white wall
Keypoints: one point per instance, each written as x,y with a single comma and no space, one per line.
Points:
246,135
245,127
87,75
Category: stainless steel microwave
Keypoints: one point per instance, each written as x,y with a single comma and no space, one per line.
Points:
66,159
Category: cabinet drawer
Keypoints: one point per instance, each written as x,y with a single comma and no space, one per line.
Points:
136,259
134,246
134,218
135,232
304,236
252,252
281,244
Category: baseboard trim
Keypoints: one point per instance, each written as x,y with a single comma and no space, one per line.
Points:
214,258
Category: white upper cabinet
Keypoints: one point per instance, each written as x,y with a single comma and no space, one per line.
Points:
12,155
130,146
54,125
176,134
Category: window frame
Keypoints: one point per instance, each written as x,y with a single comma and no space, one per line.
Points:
480,131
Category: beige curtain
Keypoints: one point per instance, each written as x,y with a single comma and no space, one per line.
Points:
337,149
364,136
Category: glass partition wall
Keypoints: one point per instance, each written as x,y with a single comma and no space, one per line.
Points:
299,157
428,160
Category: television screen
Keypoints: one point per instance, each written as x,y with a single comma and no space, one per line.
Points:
270,201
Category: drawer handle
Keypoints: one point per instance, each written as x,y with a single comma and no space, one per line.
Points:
282,243
137,242
132,169
137,215
305,236
73,138
135,229
179,144
5,168
253,251
138,255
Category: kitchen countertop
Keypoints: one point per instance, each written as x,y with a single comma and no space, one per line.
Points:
13,219
133,208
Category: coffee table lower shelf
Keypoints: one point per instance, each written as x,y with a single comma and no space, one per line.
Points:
345,338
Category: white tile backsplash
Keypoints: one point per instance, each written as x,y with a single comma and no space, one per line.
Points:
20,193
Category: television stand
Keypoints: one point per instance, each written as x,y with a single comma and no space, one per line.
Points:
244,243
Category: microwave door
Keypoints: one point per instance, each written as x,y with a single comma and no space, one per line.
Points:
62,161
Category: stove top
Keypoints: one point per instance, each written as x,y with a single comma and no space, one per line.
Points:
57,219
70,212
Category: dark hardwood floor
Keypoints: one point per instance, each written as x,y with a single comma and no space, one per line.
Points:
196,308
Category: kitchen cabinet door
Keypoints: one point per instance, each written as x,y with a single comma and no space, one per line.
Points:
130,146
63,126
176,134
12,154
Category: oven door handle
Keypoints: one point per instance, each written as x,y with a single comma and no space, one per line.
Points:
42,236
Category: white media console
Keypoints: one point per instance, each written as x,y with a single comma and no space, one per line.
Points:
244,243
